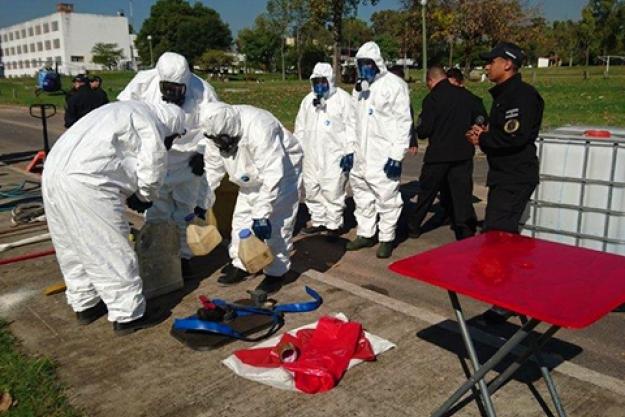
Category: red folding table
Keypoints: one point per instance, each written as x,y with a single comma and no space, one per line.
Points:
563,286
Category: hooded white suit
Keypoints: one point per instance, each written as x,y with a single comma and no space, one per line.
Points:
183,190
111,153
326,134
267,169
383,126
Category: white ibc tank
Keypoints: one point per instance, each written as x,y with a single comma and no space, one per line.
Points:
581,196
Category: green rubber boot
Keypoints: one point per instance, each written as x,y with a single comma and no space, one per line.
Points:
360,243
385,250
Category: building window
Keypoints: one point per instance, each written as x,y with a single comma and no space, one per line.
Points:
12,50
75,58
23,33
26,64
32,47
19,50
17,34
25,48
46,28
33,63
48,45
10,36
6,52
4,37
39,46
31,32
58,60
21,64
49,61
56,43
55,26
38,30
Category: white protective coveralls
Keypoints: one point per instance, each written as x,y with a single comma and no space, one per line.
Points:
183,190
326,134
111,153
383,126
267,169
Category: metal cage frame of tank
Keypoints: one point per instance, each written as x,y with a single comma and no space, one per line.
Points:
534,204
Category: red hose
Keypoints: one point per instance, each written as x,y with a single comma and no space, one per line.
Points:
26,257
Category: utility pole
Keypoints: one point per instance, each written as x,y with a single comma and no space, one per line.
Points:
424,39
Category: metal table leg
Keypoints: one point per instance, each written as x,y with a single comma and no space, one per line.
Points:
551,386
466,337
479,374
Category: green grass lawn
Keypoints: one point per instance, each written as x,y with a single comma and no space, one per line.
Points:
569,98
31,381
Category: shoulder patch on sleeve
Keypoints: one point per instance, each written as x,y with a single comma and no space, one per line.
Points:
511,125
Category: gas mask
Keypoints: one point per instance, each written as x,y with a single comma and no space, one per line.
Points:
367,71
173,92
226,144
321,89
169,140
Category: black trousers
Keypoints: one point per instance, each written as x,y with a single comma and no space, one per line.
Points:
457,177
505,206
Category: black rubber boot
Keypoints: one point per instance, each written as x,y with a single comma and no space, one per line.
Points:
414,230
312,230
360,243
150,319
270,284
333,235
233,276
385,250
91,314
185,264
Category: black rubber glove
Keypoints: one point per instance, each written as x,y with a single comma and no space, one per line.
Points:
200,212
197,164
137,205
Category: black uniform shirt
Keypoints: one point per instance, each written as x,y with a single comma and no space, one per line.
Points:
80,103
514,124
447,113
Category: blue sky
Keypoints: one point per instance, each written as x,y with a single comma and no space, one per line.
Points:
237,13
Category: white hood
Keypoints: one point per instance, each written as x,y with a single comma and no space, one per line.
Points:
171,118
371,50
174,68
323,69
220,119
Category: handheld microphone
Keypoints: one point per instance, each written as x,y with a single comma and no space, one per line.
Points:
480,120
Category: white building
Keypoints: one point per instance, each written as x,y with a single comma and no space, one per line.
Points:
63,37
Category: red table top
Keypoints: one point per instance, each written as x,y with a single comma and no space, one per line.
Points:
562,285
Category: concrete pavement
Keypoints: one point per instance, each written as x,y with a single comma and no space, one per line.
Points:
150,374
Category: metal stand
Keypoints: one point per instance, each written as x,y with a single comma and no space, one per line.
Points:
477,379
39,158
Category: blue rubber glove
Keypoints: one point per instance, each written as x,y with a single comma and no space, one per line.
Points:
200,212
262,228
347,162
392,169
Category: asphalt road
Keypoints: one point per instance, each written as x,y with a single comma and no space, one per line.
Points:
599,349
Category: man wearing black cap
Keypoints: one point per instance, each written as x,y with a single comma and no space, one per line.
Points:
508,139
446,114
81,101
95,82
508,142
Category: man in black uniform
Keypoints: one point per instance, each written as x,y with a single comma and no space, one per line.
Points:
81,102
95,82
447,112
508,140
455,77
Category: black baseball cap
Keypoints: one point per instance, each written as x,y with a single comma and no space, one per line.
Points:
505,50
80,78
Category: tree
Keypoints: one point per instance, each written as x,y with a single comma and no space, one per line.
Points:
356,32
107,54
177,26
586,33
260,44
333,12
214,60
565,39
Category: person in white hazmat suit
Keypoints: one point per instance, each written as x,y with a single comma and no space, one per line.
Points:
116,154
383,127
325,128
264,159
185,190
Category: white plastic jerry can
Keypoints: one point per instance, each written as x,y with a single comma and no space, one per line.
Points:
203,236
254,253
